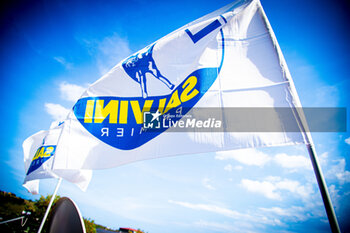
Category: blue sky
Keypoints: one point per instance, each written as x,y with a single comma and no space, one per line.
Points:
52,50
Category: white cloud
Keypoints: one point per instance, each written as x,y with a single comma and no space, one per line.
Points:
243,220
68,91
64,62
292,161
335,168
338,170
294,213
272,187
347,141
71,92
327,95
343,176
324,155
265,188
334,192
294,187
228,168
205,183
56,111
277,210
246,156
211,208
108,52
323,158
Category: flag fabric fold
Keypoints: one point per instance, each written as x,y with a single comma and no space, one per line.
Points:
226,59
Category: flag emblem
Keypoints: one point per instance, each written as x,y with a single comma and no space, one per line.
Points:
119,121
41,156
137,66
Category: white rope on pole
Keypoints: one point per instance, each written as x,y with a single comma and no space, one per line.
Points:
50,204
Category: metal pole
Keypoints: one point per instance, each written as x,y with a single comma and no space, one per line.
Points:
304,129
11,220
323,189
50,204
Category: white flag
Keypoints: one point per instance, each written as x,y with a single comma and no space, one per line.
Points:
226,59
39,151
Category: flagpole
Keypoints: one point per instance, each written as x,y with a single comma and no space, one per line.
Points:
323,189
299,114
50,204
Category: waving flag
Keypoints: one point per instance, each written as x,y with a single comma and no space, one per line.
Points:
39,150
226,59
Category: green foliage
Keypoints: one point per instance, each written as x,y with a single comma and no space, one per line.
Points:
12,206
90,226
42,204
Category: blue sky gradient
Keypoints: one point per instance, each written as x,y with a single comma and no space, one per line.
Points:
51,50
